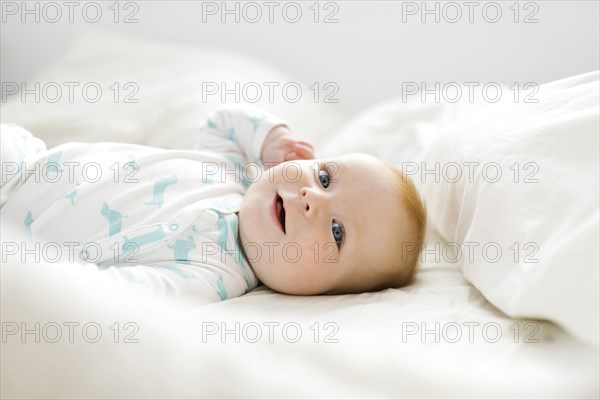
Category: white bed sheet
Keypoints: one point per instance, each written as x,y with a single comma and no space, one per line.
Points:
371,358
375,356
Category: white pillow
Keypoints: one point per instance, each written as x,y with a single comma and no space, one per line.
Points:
554,221
396,130
167,80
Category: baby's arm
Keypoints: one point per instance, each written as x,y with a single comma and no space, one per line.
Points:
185,285
249,134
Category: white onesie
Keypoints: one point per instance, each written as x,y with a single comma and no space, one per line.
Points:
162,219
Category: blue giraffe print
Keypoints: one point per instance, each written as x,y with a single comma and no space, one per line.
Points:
132,163
245,181
71,195
114,219
133,244
211,124
181,248
221,288
158,195
202,228
226,224
231,134
223,227
28,221
256,121
238,251
52,162
233,222
240,171
131,168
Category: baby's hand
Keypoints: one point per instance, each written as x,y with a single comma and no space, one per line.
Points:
280,146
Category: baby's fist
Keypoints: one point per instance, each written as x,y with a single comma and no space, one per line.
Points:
280,146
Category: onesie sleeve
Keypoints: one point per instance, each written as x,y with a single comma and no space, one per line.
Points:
184,285
237,131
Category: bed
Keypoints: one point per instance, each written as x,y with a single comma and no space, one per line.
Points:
466,328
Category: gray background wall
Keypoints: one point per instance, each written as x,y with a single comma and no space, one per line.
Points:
369,52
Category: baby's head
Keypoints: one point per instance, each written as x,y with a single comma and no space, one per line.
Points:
348,224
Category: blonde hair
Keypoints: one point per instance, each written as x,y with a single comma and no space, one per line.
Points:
399,271
403,272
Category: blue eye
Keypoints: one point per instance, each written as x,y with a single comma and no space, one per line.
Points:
324,178
338,233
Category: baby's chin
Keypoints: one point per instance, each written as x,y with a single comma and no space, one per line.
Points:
280,276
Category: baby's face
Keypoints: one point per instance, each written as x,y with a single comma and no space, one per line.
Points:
313,226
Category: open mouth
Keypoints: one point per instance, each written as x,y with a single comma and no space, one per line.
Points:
280,212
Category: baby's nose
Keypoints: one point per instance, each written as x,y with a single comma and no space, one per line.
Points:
310,200
304,200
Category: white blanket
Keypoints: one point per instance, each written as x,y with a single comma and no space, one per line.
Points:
524,212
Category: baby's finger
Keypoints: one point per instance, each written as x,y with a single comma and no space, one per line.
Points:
306,142
304,151
292,155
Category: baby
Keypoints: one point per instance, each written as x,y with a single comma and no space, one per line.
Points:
249,203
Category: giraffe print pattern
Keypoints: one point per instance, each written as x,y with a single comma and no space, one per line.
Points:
166,217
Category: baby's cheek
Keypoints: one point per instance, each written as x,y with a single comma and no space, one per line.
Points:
311,269
295,269
300,278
